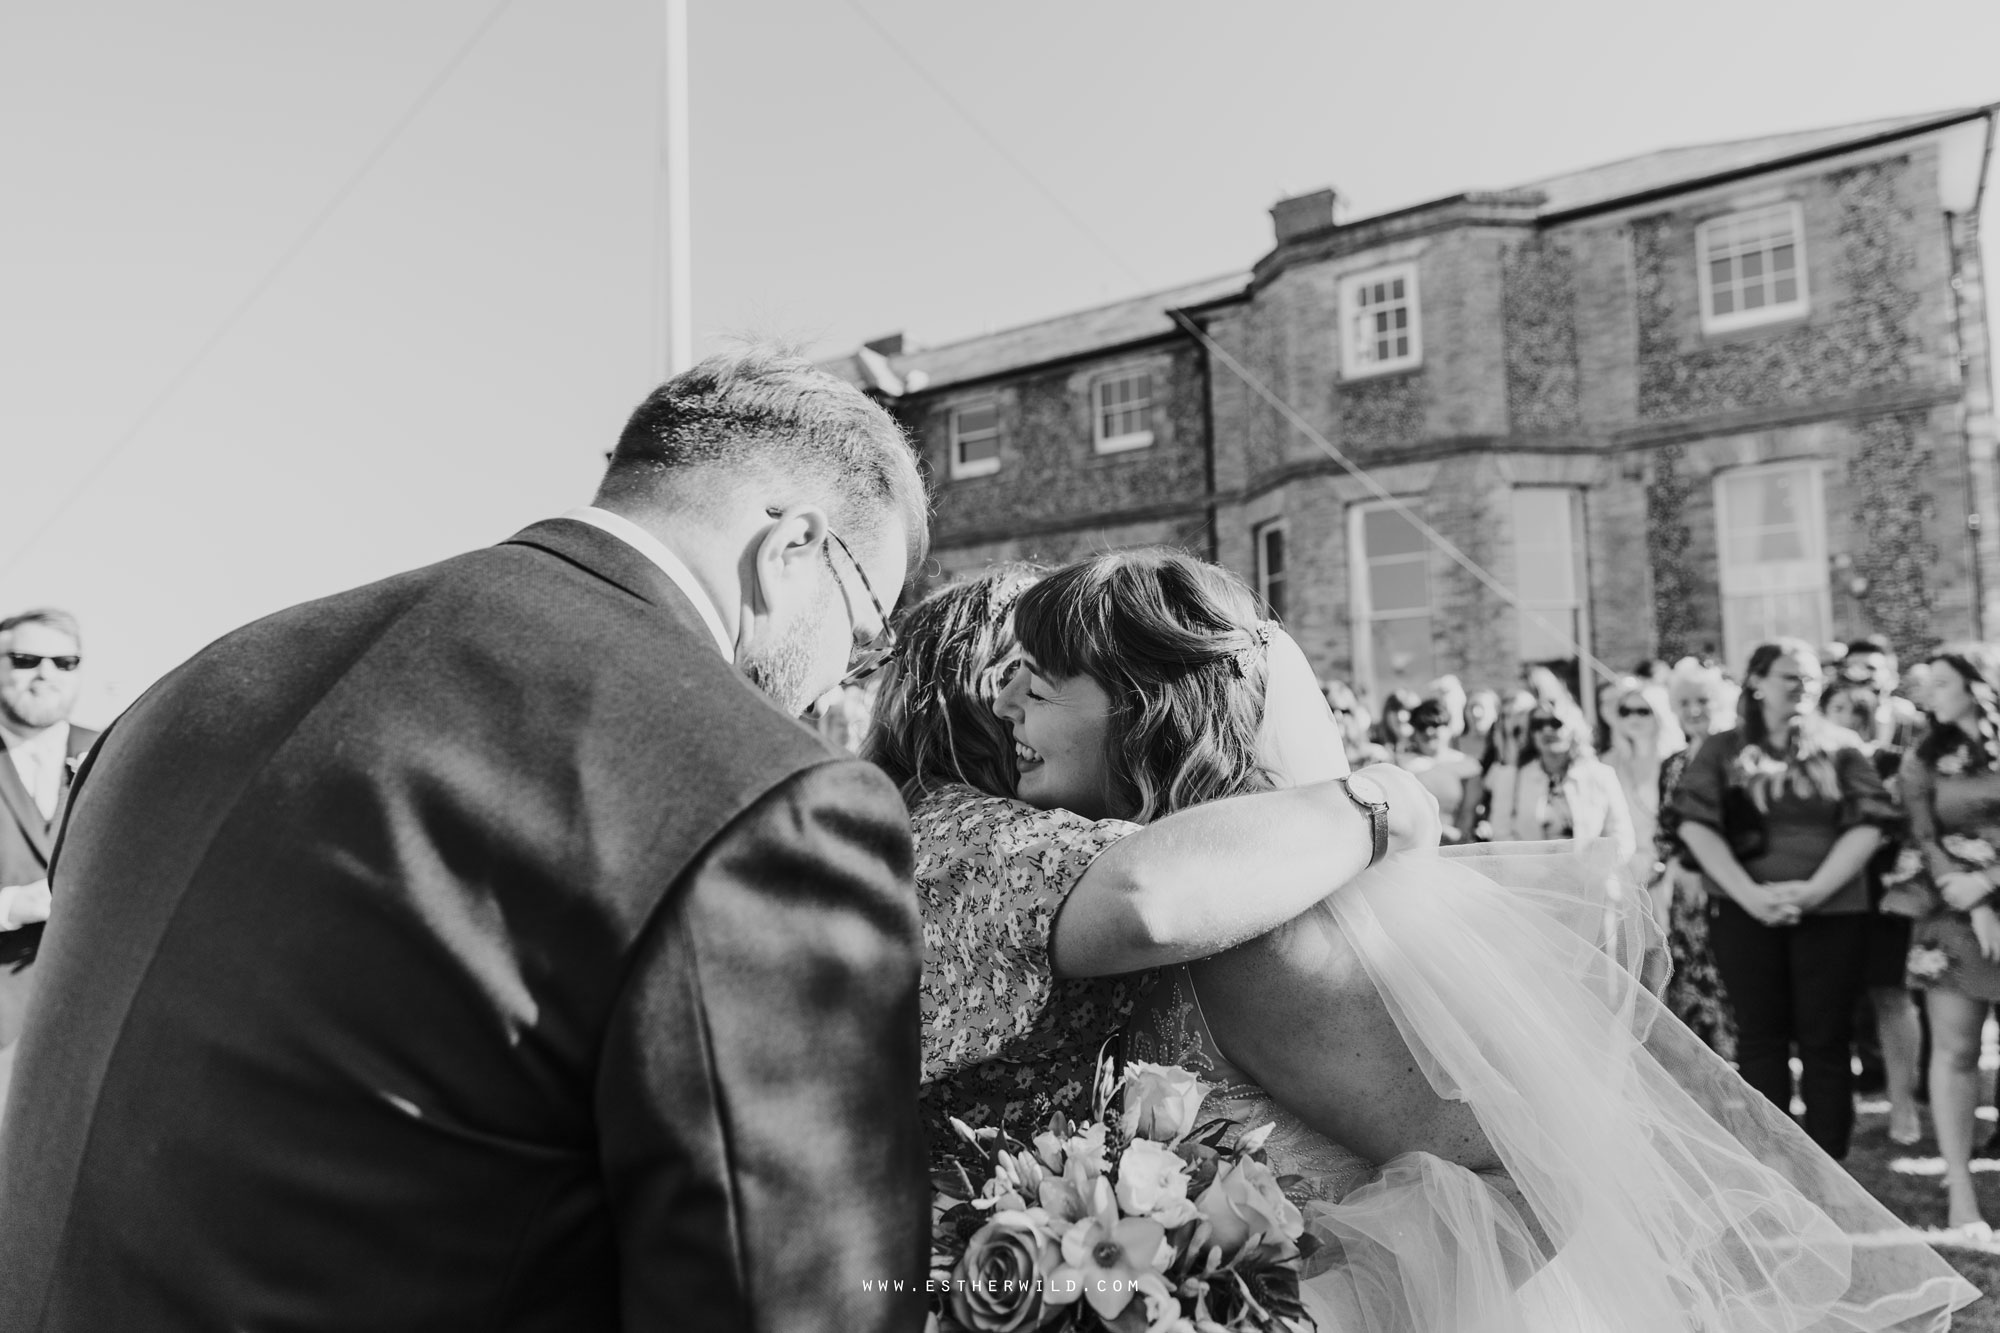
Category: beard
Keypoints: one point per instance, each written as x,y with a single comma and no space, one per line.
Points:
33,709
785,670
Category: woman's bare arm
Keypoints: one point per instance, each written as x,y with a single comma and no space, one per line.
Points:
1208,878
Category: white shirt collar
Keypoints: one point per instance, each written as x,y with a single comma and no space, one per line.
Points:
52,741
655,550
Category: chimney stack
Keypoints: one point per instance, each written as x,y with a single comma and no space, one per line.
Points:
1303,214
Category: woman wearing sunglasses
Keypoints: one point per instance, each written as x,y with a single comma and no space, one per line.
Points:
1561,788
1643,734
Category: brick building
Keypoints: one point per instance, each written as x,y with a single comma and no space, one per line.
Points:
1687,400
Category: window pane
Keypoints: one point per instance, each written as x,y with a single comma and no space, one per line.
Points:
973,419
1753,296
1776,545
1753,265
976,450
1724,302
1402,653
1388,532
1781,259
1396,289
1399,585
1544,574
1540,641
1274,552
1785,292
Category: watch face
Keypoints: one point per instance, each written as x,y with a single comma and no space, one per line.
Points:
1367,791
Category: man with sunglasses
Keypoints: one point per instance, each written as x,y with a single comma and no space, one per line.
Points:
491,947
40,652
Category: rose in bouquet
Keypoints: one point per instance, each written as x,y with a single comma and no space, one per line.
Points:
1145,1221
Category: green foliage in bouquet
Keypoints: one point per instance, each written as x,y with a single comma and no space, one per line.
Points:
1147,1221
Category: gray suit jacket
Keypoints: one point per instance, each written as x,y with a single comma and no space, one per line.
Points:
473,950
26,842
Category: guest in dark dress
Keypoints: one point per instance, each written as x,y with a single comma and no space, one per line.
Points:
1888,1035
1951,783
1783,814
1704,702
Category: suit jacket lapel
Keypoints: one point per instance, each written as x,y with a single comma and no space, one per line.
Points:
14,795
80,741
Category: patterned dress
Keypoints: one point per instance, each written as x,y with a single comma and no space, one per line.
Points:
1004,1041
1694,991
1954,806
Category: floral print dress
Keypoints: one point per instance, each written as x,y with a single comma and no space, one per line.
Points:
1003,1039
1694,990
1954,807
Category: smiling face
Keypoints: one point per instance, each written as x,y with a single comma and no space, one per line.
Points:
37,697
1062,734
1552,739
1701,710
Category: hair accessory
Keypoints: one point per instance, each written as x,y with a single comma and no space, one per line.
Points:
1245,657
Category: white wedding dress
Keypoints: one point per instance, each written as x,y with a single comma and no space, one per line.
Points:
1666,1194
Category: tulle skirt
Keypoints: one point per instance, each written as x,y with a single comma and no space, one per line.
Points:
1667,1196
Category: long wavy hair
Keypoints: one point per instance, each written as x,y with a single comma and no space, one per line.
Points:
1809,770
1978,665
1177,645
934,722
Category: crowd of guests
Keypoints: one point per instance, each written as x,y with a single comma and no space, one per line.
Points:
1820,839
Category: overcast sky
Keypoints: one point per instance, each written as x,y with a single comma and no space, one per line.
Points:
448,357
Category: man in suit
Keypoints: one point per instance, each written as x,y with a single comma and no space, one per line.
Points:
40,653
489,947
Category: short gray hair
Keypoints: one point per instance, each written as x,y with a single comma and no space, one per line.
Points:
764,408
55,619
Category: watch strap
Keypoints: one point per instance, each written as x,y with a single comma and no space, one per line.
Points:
1378,822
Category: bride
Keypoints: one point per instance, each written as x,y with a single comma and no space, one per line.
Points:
1643,1187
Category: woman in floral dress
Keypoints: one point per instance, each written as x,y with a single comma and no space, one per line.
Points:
1704,700
1951,786
1037,921
1671,1200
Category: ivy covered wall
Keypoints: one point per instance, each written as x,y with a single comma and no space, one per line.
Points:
1862,331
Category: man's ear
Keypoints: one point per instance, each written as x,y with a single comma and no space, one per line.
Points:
789,548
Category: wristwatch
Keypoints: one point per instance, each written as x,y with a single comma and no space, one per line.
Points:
1367,793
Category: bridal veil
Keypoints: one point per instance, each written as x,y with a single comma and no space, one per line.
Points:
1673,1197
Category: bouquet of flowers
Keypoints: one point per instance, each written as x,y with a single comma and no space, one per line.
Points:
1142,1222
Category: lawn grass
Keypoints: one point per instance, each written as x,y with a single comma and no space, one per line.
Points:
1910,1183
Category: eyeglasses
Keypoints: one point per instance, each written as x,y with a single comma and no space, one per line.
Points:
1545,724
1625,711
31,661
869,657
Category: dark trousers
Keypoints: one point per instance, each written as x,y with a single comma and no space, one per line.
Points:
1795,985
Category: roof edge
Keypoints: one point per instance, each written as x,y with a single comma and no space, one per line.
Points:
1943,120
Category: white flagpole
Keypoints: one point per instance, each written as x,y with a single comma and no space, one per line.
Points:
676,303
